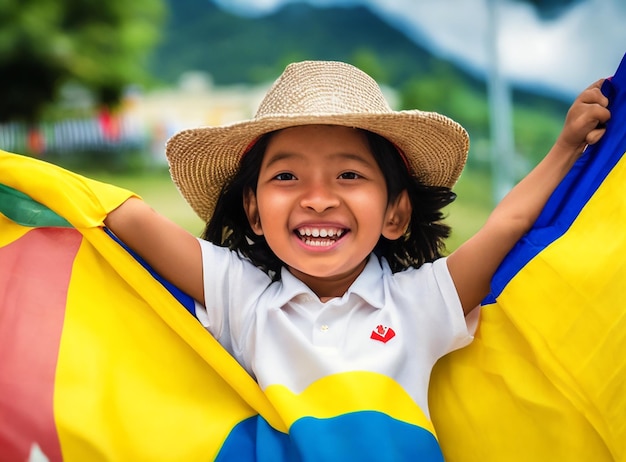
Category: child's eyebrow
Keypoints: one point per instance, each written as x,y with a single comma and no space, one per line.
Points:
355,157
278,156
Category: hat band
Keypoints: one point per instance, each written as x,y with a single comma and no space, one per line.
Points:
250,146
402,156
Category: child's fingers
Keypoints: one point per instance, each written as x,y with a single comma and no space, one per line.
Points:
592,124
598,115
594,135
590,108
593,94
586,118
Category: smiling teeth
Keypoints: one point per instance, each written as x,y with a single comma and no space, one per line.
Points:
320,232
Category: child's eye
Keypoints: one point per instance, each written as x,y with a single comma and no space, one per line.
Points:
349,176
285,176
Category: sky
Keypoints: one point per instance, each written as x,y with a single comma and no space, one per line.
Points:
563,55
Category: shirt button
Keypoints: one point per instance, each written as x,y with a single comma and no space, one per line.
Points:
324,327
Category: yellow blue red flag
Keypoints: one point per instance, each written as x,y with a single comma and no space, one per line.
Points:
102,360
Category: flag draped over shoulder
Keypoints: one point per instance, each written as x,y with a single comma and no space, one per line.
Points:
545,378
98,359
102,360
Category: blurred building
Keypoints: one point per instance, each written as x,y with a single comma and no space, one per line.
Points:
195,102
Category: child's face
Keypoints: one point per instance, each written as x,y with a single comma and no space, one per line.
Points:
321,202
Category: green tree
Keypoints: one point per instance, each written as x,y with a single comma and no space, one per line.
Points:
44,44
368,61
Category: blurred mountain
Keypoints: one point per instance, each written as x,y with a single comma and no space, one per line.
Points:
236,49
201,36
551,9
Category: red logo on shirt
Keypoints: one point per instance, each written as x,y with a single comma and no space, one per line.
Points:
382,333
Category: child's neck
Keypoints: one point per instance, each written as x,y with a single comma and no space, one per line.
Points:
327,288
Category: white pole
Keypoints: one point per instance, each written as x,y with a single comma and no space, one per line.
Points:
500,113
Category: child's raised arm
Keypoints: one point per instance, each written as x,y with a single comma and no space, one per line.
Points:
473,264
173,252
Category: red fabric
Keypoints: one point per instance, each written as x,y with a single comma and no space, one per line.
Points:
41,260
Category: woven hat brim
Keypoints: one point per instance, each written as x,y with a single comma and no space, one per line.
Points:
203,159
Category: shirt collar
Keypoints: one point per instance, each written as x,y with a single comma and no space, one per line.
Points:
368,285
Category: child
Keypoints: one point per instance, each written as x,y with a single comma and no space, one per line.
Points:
323,248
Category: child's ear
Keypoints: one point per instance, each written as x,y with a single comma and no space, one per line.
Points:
398,217
251,208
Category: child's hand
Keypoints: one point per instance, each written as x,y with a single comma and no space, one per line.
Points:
585,119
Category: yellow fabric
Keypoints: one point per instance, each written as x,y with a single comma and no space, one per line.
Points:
99,373
545,377
345,393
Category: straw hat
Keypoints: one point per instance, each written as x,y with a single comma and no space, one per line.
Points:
203,159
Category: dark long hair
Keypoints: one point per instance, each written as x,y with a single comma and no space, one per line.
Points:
423,242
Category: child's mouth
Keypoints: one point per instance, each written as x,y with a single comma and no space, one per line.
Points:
319,237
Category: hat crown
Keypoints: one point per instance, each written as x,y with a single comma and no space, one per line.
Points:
322,88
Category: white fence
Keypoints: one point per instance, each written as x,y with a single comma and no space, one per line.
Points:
97,133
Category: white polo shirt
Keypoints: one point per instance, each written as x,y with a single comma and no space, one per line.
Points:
396,324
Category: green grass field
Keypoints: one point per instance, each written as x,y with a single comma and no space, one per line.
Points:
465,215
158,190
471,208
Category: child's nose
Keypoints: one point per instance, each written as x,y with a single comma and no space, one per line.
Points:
319,196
